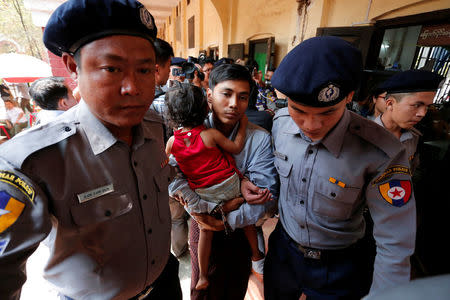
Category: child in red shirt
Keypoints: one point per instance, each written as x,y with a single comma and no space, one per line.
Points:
210,170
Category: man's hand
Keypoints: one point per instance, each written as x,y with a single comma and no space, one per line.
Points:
179,197
253,194
208,222
232,204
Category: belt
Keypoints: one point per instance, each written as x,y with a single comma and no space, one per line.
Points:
143,294
317,254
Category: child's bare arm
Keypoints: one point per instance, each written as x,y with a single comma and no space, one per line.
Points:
169,145
226,144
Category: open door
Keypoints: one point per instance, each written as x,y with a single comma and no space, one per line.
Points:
263,51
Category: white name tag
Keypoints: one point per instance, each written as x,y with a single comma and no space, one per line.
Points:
83,197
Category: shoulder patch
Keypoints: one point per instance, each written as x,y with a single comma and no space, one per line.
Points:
397,169
18,182
153,116
396,192
10,210
374,134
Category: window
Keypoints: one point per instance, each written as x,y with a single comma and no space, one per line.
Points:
191,32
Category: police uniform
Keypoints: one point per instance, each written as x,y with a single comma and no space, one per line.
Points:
411,81
107,201
326,184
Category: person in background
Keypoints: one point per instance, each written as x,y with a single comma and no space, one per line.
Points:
331,164
260,118
207,65
98,173
229,266
54,97
372,106
409,95
16,117
176,70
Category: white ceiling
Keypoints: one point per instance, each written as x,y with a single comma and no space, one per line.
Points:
42,9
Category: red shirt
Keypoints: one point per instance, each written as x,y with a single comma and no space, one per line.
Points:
203,166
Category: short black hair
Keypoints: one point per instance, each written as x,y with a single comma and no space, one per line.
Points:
163,51
207,60
227,72
186,105
48,91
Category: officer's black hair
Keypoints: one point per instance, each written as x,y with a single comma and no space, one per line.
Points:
163,51
227,72
48,91
186,105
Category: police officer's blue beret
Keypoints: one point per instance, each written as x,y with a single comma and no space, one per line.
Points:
412,81
78,22
319,72
177,61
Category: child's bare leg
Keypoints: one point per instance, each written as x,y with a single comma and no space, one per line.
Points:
204,251
251,234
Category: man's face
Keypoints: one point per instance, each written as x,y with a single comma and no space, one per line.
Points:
207,68
316,122
410,109
117,79
229,100
173,77
268,75
9,105
162,73
68,102
380,102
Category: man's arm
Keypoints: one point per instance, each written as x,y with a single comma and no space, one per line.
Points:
256,162
24,223
393,210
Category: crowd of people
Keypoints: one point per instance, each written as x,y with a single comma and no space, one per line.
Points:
149,141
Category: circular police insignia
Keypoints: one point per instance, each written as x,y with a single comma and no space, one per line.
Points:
146,18
329,93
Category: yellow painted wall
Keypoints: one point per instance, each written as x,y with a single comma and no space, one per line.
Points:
219,23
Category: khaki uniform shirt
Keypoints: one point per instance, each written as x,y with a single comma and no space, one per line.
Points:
326,184
107,201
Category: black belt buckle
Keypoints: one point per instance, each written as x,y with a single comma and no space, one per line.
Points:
310,253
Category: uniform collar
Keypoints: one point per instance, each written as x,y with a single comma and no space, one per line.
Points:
99,137
406,135
334,139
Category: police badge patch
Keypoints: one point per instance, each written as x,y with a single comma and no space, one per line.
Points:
146,18
396,192
10,210
328,93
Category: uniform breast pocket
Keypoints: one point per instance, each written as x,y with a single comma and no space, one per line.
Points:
331,200
101,209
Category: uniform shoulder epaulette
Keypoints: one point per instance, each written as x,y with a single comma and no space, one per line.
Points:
34,139
374,134
415,131
153,116
281,113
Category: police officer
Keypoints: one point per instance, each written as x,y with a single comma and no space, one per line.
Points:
331,163
409,95
98,173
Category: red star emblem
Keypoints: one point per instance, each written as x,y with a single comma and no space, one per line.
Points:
396,193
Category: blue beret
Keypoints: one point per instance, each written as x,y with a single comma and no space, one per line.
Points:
412,81
319,72
78,22
177,61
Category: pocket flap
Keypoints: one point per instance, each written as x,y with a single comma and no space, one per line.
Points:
101,209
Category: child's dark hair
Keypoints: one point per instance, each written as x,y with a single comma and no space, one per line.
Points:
186,105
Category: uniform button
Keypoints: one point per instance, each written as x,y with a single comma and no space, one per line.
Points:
304,179
150,231
310,152
302,202
107,213
302,226
144,197
153,261
333,195
67,129
135,163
